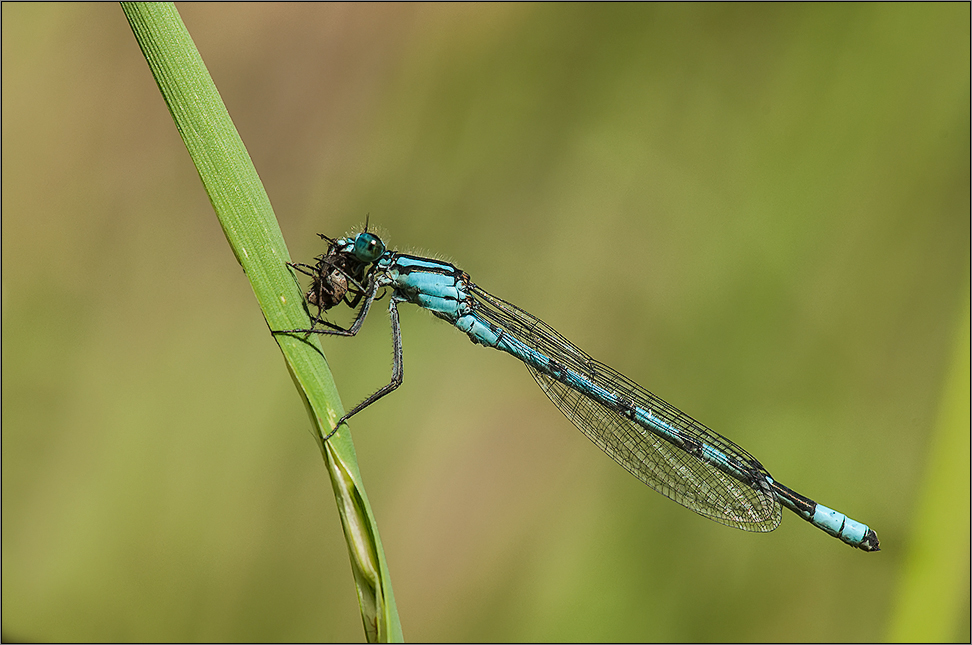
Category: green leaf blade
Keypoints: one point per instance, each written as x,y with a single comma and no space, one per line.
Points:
247,219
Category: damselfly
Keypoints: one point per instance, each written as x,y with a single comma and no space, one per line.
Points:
660,445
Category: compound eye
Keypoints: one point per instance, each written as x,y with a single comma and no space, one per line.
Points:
368,247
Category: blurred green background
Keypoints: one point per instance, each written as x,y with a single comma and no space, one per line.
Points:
761,213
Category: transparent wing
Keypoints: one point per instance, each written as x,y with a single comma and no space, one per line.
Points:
746,502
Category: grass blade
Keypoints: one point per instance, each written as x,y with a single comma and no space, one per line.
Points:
247,219
933,590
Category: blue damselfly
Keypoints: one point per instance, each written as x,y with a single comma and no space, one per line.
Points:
660,445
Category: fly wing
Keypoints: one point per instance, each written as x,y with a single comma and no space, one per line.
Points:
745,501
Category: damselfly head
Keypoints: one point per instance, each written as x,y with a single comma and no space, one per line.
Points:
341,273
368,247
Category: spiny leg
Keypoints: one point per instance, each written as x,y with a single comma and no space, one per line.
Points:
397,371
306,269
339,331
